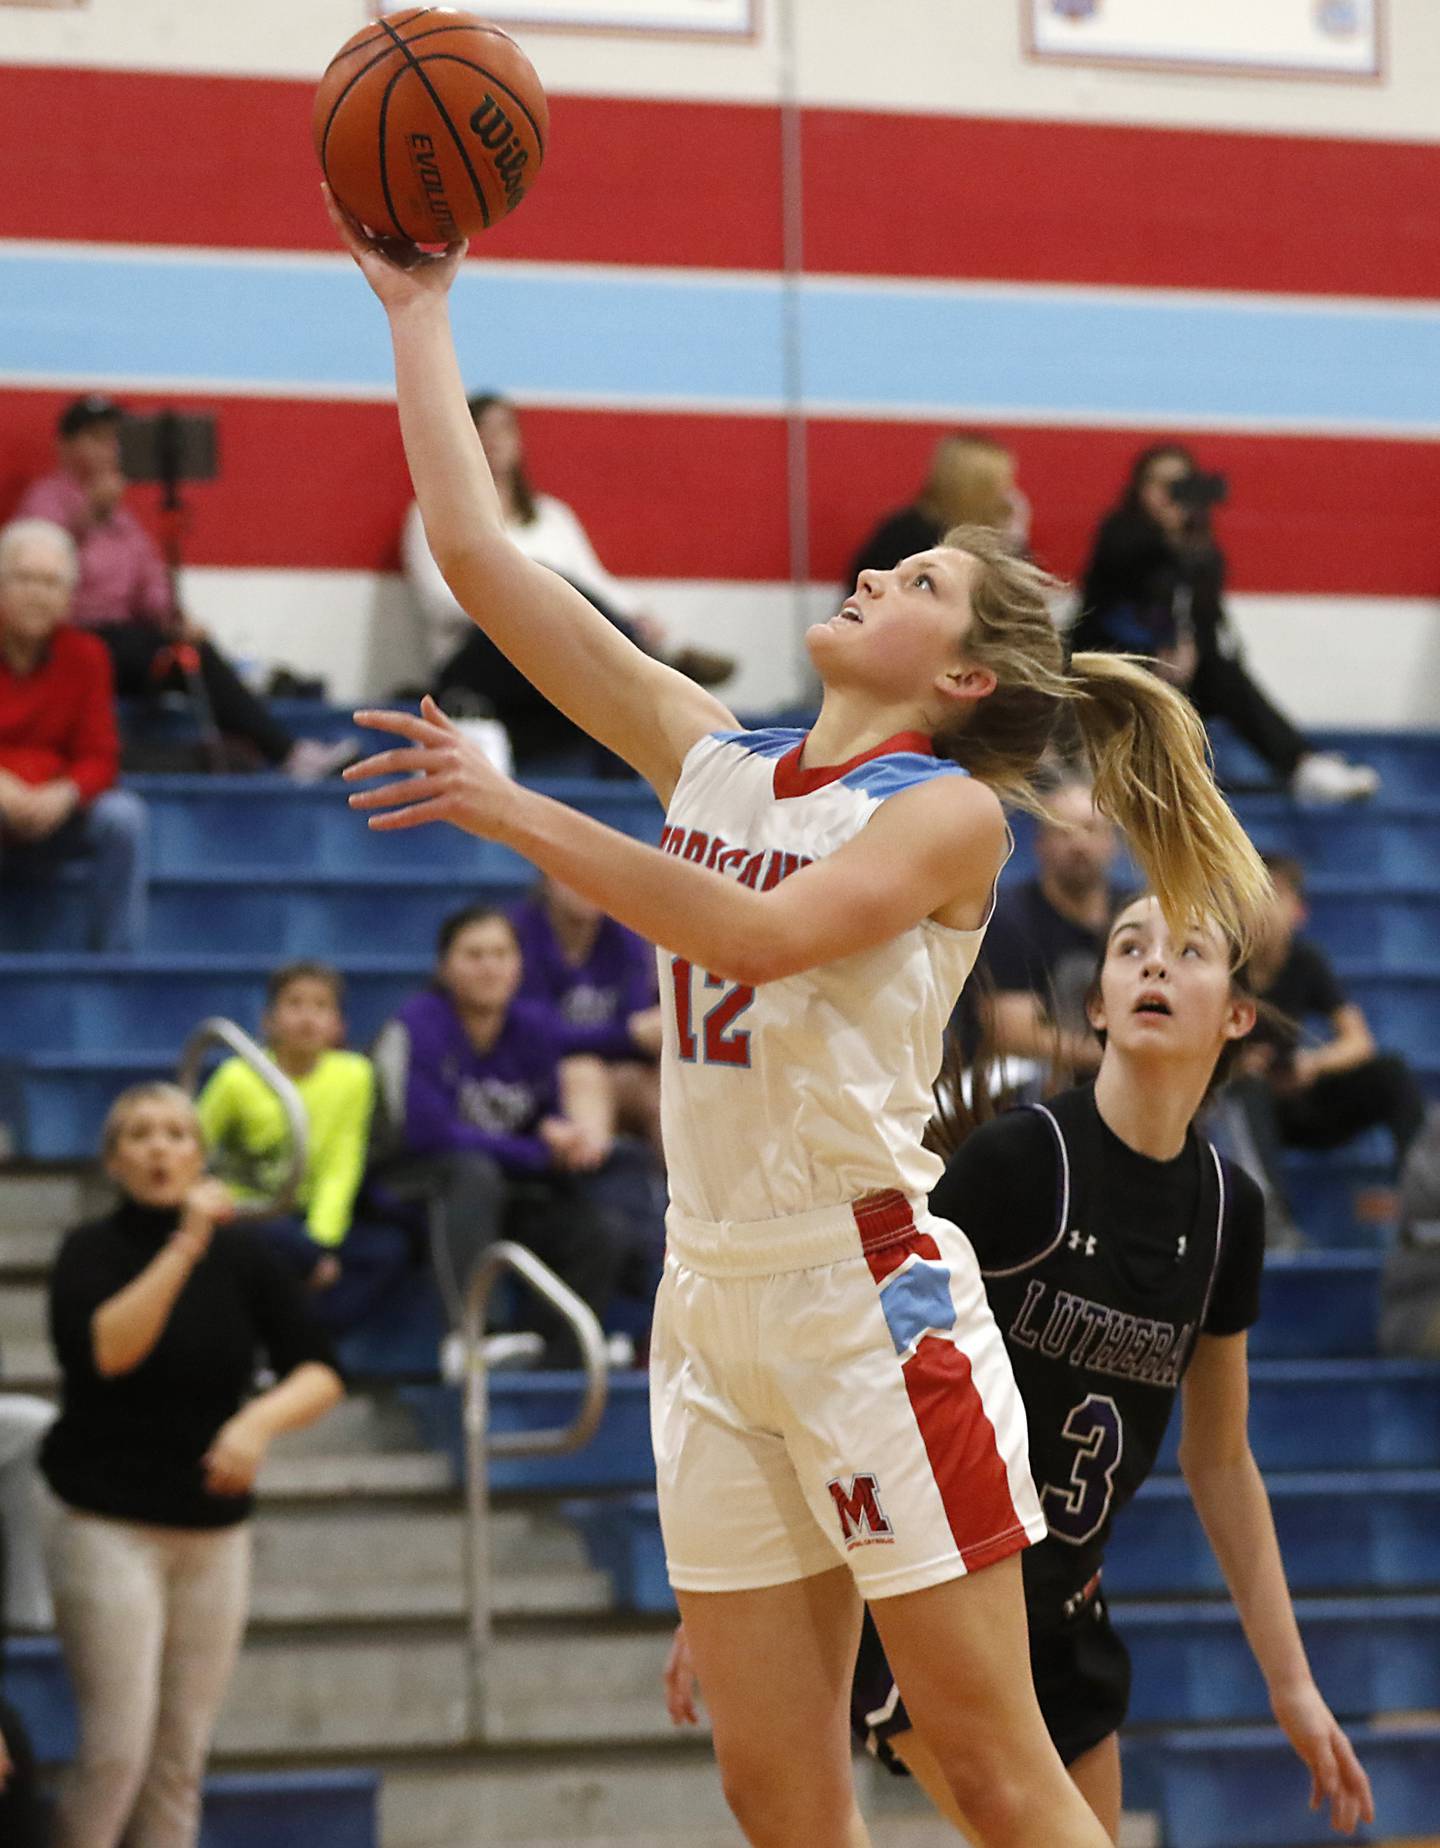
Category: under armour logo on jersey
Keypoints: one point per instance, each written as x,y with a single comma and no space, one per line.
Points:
862,1519
1083,1241
1180,1246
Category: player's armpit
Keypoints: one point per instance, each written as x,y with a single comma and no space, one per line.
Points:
933,852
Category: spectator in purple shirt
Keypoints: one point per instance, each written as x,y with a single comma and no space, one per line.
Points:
496,1125
599,978
126,596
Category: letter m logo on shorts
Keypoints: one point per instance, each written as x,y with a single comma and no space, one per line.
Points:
861,1516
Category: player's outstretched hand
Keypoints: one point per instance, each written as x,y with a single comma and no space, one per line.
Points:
398,271
681,1687
1336,1775
441,776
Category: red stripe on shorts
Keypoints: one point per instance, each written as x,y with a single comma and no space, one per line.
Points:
959,1438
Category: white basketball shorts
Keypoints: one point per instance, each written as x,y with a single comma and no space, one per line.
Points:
830,1389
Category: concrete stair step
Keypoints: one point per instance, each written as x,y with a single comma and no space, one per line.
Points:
404,1543
423,1473
26,1251
560,1593
49,1199
621,1798
366,1691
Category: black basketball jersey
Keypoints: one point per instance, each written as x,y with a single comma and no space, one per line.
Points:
1101,1267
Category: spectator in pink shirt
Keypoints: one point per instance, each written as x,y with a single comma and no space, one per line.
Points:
126,597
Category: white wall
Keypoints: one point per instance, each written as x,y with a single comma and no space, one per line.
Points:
953,55
1329,661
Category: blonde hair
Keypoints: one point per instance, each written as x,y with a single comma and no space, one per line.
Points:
970,482
152,1091
1146,749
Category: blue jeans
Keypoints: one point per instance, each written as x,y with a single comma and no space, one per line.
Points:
113,833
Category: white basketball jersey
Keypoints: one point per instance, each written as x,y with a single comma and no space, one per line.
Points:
814,1090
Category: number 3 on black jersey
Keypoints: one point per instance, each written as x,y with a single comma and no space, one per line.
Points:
1078,1513
717,1044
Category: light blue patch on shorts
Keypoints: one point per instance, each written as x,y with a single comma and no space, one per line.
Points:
917,1301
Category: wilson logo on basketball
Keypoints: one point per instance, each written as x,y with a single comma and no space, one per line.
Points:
863,1522
427,171
497,135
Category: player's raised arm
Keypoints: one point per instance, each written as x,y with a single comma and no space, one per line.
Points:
638,707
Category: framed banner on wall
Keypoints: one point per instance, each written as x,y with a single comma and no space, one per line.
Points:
688,18
1292,38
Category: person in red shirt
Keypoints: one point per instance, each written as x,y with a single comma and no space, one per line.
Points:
125,595
59,749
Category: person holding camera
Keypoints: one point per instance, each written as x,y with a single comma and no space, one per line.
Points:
126,597
1155,585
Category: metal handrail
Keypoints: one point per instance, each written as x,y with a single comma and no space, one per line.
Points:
480,1443
218,1031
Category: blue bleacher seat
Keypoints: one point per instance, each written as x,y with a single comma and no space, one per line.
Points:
1192,1663
1338,1532
1243,1787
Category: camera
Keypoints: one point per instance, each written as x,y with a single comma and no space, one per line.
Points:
1198,491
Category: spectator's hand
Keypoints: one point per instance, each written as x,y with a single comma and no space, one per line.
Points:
399,272
575,1148
647,1030
233,1460
1336,1774
1304,1068
1256,1061
209,1203
443,776
681,1686
1178,664
43,808
326,1273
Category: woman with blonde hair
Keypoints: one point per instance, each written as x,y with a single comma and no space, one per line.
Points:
833,1412
971,483
157,1312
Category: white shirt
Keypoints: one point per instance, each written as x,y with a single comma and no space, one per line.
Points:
814,1090
554,537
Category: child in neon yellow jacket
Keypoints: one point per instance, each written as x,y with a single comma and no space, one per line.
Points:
246,1132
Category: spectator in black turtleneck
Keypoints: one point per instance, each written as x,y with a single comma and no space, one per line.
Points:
159,1313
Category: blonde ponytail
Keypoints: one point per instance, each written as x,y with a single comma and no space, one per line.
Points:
1150,760
1144,743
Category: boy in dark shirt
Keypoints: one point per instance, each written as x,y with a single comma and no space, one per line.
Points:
1319,1093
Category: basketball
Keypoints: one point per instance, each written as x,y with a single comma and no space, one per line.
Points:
430,125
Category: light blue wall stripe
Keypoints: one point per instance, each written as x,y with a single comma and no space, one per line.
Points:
564,332
254,323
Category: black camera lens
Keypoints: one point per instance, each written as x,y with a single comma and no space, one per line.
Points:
1199,490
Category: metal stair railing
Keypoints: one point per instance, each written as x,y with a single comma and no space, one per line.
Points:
218,1031
481,1443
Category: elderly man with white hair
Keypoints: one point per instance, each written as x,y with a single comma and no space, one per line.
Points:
59,745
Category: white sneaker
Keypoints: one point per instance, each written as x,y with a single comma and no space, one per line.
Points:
1325,776
502,1353
311,759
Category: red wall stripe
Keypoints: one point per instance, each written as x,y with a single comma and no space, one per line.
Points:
139,157
324,485
226,161
1072,202
319,484
1333,516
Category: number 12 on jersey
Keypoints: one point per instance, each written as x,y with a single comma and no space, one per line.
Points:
717,1042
